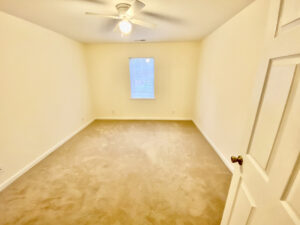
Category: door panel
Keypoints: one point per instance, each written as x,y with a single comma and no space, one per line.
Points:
284,25
274,100
291,196
268,190
290,15
245,202
274,193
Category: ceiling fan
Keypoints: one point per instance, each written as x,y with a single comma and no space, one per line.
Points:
126,13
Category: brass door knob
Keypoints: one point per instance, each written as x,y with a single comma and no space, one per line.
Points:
238,159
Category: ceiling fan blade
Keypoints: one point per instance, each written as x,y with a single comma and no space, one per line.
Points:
109,25
159,16
100,2
143,23
106,16
116,28
95,1
135,8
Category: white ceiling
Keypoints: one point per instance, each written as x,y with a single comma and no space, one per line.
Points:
180,20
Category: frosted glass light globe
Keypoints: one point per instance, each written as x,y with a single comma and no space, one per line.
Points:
125,26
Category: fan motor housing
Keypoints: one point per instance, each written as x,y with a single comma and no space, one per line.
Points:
122,8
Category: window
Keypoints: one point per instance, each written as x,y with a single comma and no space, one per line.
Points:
142,78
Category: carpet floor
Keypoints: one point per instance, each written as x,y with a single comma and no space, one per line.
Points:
123,173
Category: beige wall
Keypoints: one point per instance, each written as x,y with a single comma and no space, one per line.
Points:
175,74
44,94
228,65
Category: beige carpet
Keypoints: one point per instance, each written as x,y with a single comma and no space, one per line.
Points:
123,173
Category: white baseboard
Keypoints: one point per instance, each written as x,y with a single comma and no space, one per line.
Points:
217,150
10,180
143,118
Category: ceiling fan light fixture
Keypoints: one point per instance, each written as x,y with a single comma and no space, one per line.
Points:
125,26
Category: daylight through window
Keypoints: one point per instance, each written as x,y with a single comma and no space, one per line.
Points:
142,78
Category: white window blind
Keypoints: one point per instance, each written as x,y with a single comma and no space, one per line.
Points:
142,78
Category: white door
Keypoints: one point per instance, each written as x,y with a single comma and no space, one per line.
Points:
266,189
